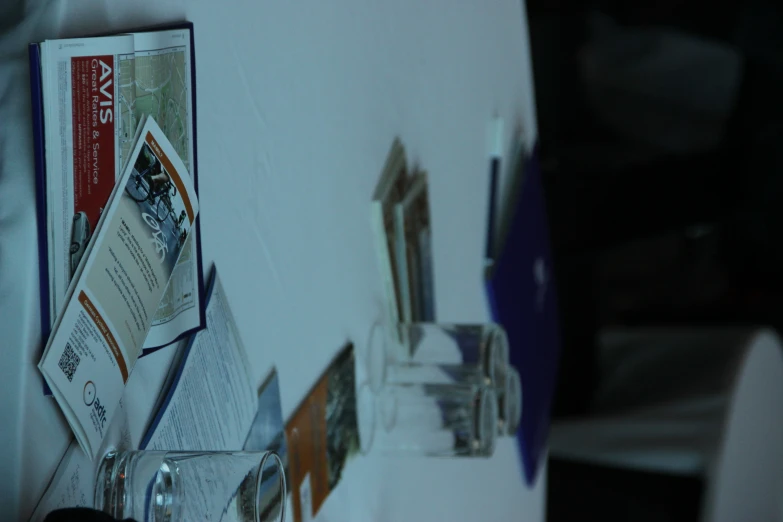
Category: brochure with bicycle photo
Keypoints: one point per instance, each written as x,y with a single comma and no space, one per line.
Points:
110,305
90,96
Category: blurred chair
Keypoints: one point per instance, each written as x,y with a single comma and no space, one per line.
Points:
689,403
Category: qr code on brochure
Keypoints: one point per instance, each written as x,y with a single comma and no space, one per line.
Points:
69,361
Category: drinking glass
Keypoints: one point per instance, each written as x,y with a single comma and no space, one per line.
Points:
510,403
460,353
168,486
437,420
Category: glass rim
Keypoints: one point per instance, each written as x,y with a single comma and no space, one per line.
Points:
283,493
101,488
516,412
486,422
365,417
497,355
511,402
500,340
376,355
388,409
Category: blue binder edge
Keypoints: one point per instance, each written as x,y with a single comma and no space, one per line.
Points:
534,336
39,146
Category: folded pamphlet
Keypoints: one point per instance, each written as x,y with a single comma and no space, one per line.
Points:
186,415
73,482
118,285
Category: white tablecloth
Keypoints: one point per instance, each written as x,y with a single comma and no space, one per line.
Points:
297,107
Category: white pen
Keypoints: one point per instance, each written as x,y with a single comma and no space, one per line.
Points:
495,154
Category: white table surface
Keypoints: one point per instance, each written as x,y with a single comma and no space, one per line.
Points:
297,107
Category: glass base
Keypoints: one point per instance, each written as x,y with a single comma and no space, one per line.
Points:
104,484
112,485
160,486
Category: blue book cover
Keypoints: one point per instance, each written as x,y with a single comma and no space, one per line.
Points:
523,299
39,147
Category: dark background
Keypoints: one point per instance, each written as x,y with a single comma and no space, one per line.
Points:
662,212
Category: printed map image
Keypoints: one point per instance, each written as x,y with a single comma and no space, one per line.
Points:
127,96
155,84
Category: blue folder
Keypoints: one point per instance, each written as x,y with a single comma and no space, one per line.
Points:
523,299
